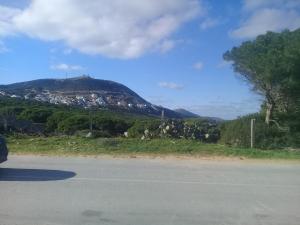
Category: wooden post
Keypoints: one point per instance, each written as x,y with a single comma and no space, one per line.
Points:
162,115
252,132
161,122
91,120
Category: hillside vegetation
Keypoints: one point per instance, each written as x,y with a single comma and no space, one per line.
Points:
35,118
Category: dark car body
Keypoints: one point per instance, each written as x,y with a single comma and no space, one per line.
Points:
3,150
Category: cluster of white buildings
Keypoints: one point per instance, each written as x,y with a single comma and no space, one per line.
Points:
83,99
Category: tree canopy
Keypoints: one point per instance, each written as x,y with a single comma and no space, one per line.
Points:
271,64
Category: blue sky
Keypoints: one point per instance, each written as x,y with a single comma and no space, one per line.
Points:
168,51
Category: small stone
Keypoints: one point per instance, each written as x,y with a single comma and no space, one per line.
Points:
89,135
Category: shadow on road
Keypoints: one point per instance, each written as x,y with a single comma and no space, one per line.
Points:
16,174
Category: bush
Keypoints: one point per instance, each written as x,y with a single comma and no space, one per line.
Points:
110,127
73,124
137,130
108,142
202,130
36,115
55,119
120,126
237,133
199,130
11,111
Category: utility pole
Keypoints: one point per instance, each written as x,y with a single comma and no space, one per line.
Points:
252,132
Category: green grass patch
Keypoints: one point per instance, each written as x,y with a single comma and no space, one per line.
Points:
71,145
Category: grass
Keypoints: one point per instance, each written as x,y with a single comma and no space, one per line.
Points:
70,145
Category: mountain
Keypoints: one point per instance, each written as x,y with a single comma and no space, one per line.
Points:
189,115
186,113
86,92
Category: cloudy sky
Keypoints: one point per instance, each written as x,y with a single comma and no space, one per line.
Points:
168,51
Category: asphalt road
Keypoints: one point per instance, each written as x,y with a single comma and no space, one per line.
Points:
86,191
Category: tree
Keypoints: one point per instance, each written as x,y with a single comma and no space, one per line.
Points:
74,123
111,126
55,119
36,115
271,64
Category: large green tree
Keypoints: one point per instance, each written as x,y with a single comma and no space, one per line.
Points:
271,64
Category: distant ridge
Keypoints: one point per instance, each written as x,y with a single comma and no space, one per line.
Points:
85,91
187,114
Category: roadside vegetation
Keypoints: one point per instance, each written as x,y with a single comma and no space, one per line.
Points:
133,147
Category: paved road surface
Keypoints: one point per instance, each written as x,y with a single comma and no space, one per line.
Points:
87,191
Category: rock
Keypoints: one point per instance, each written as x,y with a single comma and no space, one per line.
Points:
89,135
146,132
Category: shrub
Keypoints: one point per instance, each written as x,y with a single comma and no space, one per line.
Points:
237,133
199,130
202,130
101,133
108,142
36,115
110,127
74,123
137,130
172,128
55,119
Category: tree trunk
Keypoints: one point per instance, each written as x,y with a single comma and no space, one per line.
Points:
269,113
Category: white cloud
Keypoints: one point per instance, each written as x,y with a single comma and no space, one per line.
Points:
208,23
113,28
170,85
6,16
66,67
167,45
268,20
267,15
198,65
255,4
